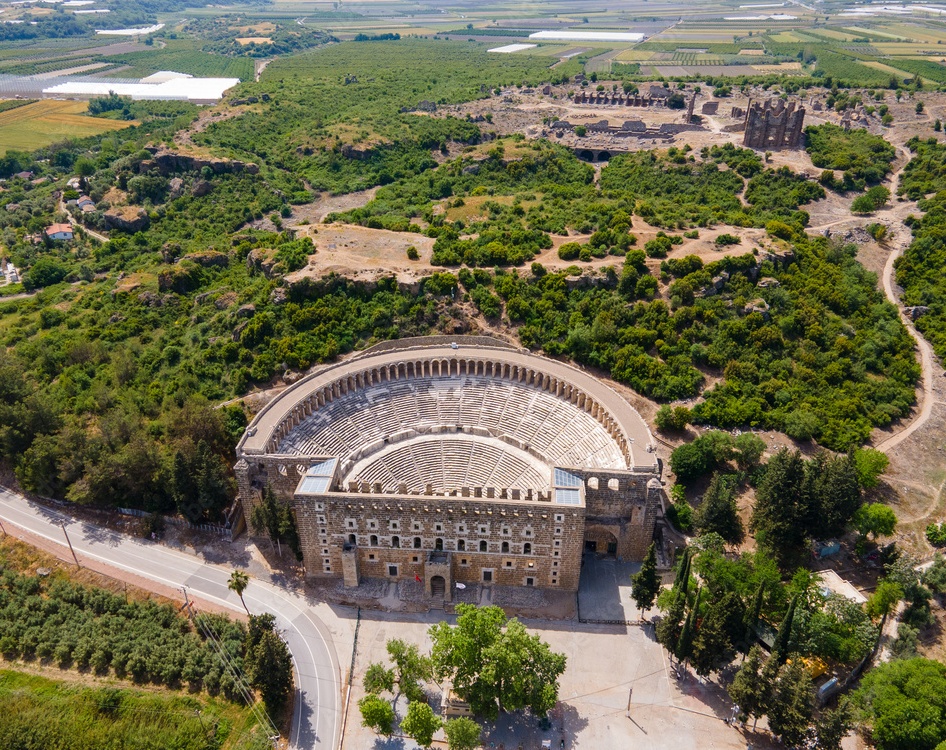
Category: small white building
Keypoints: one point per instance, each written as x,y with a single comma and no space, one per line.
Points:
59,232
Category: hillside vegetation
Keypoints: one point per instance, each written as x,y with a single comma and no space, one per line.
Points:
119,357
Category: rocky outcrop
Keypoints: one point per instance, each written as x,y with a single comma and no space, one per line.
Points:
201,188
261,260
171,162
360,154
129,219
209,259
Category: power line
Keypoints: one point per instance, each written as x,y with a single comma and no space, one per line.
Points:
206,626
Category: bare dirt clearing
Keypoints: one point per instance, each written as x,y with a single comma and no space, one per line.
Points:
362,253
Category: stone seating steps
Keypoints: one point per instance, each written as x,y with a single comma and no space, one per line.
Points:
554,429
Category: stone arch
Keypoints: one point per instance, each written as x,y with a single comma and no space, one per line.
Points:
601,539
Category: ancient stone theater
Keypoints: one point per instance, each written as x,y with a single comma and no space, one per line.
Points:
455,460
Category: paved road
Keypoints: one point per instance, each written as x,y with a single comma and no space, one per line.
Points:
316,720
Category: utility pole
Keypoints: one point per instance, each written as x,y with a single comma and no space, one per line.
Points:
187,602
3,529
63,524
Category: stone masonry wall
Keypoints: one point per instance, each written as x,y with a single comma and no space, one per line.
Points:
541,541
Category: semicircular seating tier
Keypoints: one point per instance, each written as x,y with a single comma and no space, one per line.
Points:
554,430
443,418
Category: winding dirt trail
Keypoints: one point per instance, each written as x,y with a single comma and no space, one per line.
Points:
926,351
898,239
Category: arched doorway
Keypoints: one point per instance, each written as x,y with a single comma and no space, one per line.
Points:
600,540
438,586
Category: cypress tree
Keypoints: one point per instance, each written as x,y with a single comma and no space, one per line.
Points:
668,629
646,584
783,512
712,647
752,618
834,485
688,633
784,637
718,512
752,685
682,582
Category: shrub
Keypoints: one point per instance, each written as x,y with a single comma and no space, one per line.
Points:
658,247
877,231
412,253
680,514
569,251
672,417
727,239
779,229
936,534
708,452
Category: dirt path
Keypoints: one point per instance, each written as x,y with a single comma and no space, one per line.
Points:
926,351
92,233
898,239
260,66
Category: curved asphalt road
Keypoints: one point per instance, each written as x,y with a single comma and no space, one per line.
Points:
316,718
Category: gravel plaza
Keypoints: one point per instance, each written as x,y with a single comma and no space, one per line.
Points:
618,690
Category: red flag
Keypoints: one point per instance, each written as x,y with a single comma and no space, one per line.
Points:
417,578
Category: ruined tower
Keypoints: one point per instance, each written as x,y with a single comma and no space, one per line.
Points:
773,125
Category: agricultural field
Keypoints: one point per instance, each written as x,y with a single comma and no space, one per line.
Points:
182,57
41,123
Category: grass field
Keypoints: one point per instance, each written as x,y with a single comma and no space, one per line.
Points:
42,712
41,123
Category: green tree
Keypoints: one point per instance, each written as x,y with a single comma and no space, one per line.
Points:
378,679
833,725
684,648
751,687
712,647
462,733
718,513
272,672
238,582
752,616
884,600
783,511
875,519
833,486
792,706
748,450
671,625
494,664
682,579
870,464
672,418
377,714
276,520
413,668
902,703
420,723
783,639
646,583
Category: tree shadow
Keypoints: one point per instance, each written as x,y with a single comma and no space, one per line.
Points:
389,743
